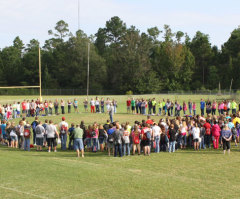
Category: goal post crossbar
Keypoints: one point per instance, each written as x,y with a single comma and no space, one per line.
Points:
12,87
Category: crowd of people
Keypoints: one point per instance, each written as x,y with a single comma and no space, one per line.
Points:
31,108
197,132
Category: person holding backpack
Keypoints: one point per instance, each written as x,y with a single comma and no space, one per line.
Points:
110,139
63,128
34,125
40,131
146,137
118,137
27,136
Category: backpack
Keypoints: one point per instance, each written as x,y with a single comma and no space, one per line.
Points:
148,135
93,134
110,138
38,130
202,131
234,131
136,139
34,125
63,129
26,133
208,131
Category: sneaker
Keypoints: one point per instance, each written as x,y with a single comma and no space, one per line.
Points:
55,150
49,151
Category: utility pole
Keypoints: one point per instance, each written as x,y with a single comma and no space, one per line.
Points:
88,70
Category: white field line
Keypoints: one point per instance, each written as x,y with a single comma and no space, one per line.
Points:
23,192
80,194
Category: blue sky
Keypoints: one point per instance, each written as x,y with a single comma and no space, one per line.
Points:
33,18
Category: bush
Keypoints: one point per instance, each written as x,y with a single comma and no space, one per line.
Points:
129,93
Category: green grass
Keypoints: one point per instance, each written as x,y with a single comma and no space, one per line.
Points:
184,174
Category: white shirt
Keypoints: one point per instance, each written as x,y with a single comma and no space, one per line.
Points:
92,103
196,133
27,106
18,107
156,131
63,123
96,102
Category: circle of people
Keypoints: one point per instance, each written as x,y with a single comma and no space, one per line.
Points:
122,139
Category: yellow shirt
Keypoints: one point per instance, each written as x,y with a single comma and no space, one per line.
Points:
235,120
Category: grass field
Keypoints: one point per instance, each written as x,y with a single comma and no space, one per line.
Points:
184,174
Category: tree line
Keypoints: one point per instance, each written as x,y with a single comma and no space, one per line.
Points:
124,59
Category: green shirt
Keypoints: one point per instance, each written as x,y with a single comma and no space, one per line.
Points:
78,133
234,105
154,103
133,103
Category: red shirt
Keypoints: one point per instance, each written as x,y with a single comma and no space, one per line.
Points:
207,127
143,132
24,106
128,102
46,105
149,122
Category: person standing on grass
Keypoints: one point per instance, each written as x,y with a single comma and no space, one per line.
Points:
78,140
196,136
97,103
111,112
172,138
40,131
118,137
101,137
27,136
126,144
94,136
71,137
146,137
190,106
63,128
226,138
92,104
75,105
149,107
215,134
128,105
102,105
133,105
52,133
56,104
208,107
159,108
154,103
168,105
3,129
110,139
50,107
207,138
13,135
45,135
114,102
20,130
214,107
62,106
202,107
34,125
156,136
184,108
69,104
46,107
234,107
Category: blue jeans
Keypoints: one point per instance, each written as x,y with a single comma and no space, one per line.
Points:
27,144
118,149
63,141
70,144
157,141
190,111
160,111
172,147
202,144
202,111
46,111
37,111
97,108
126,147
102,109
184,140
95,144
194,112
111,118
34,137
15,114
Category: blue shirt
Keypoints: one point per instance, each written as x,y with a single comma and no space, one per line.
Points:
226,133
110,131
230,125
202,104
3,128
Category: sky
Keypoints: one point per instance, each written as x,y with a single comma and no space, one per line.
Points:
30,19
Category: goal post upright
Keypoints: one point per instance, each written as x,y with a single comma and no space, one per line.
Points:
40,75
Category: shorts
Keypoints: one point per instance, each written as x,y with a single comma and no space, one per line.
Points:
101,140
110,145
128,107
18,112
51,141
75,107
146,143
85,106
78,144
39,141
133,108
226,144
195,140
14,138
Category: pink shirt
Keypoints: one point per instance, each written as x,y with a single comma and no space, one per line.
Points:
216,130
194,106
